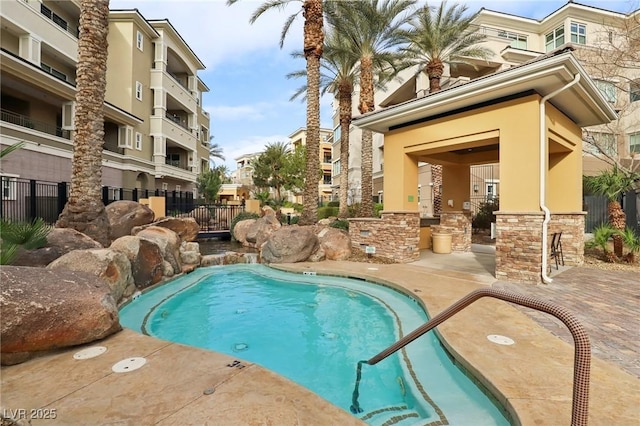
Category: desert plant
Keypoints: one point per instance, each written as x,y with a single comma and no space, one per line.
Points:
632,242
240,217
29,235
485,216
601,236
340,224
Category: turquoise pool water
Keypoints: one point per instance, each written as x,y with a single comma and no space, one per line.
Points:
314,330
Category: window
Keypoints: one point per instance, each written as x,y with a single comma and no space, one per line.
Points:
54,72
327,157
326,179
336,168
165,186
634,91
336,133
138,141
178,188
519,41
68,115
138,90
608,90
491,189
634,143
602,142
139,40
578,33
554,39
173,160
8,188
53,16
125,136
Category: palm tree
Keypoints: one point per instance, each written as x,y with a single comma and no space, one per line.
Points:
338,75
215,151
84,210
371,30
440,36
313,44
612,184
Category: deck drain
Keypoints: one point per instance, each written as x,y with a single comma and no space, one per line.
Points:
208,391
91,352
128,364
500,340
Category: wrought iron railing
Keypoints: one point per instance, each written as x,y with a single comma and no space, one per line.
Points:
30,123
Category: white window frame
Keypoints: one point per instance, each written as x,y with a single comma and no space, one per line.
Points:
140,41
138,90
608,90
139,141
632,143
519,41
336,167
491,189
578,33
178,188
165,186
125,137
10,183
634,90
557,38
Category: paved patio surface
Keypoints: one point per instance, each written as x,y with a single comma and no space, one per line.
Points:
532,379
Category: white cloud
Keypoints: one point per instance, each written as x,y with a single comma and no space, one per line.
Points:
239,112
217,32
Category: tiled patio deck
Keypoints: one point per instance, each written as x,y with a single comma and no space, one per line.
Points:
533,377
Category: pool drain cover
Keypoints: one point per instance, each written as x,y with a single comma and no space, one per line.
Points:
128,364
91,352
500,340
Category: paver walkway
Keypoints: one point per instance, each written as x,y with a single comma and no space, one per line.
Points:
606,302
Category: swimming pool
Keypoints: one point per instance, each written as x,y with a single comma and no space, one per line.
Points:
314,330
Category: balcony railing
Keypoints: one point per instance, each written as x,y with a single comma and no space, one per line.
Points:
29,123
177,119
60,22
178,80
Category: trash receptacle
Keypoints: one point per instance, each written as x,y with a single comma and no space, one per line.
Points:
441,243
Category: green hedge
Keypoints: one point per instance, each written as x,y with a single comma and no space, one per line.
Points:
325,212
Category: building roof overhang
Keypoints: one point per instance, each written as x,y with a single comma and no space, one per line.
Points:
582,102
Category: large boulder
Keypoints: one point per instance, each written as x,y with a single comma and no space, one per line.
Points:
190,254
335,243
241,229
110,265
262,228
145,258
169,243
290,244
124,215
44,309
201,214
60,241
186,227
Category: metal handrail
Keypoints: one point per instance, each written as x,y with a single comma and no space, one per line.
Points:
582,355
29,123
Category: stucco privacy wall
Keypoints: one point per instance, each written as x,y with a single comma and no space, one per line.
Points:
508,132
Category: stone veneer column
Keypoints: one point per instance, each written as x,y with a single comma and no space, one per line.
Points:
396,235
572,227
519,246
458,224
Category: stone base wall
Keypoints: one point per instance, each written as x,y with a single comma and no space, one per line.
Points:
396,235
519,246
572,227
458,224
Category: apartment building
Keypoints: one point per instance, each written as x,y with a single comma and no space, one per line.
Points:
156,132
515,40
298,139
243,174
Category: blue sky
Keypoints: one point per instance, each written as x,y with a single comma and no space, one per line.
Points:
245,67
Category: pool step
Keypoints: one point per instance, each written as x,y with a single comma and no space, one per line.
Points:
392,415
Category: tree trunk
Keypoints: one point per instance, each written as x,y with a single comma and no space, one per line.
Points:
618,221
313,44
436,178
345,104
434,70
84,210
367,104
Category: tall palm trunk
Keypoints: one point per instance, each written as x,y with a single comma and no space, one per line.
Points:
434,70
344,105
313,44
367,104
618,221
84,210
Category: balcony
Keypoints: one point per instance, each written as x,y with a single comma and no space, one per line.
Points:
29,123
174,89
174,130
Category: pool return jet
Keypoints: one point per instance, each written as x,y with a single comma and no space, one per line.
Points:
582,355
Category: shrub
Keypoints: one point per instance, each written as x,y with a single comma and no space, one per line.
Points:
601,236
377,208
294,220
30,235
240,217
325,212
485,216
340,224
333,204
